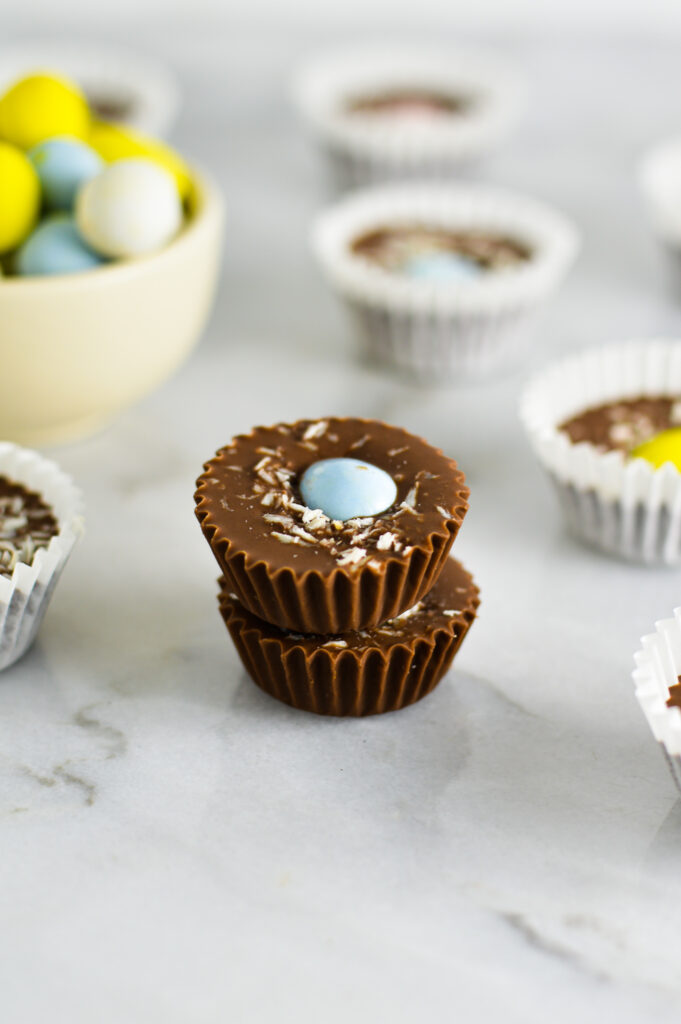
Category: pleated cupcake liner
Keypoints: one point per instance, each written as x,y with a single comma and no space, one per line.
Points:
345,599
659,177
624,507
25,596
344,682
440,331
368,149
658,665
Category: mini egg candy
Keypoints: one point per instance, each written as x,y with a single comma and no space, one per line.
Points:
55,247
131,208
40,107
347,488
114,142
664,447
63,165
442,267
19,197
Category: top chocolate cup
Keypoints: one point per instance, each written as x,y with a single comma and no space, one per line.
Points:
296,568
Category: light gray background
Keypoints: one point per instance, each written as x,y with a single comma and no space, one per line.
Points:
175,847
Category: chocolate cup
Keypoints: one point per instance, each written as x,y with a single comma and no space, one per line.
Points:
364,673
307,587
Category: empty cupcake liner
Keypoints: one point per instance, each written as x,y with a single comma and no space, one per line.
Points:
623,506
441,331
658,665
148,89
25,596
367,149
324,675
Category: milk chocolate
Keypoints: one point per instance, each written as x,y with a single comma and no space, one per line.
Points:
410,102
392,247
358,673
291,565
624,424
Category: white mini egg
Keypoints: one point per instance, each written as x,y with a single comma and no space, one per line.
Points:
132,207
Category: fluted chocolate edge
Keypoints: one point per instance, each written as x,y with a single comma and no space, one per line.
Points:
346,598
347,682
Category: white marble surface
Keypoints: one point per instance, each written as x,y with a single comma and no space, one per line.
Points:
177,847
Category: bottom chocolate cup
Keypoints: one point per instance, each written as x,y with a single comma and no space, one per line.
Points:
363,673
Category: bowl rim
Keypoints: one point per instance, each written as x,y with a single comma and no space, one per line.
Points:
210,205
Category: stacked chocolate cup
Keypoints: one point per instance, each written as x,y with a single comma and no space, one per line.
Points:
352,616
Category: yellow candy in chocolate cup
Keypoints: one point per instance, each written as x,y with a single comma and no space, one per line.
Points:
664,447
40,107
19,197
114,142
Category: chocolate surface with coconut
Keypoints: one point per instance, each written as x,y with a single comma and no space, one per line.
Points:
624,424
27,524
251,493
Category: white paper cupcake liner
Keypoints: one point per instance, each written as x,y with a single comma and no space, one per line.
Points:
150,88
367,149
441,331
658,665
623,506
25,596
660,179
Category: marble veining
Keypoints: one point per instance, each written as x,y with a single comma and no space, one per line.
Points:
176,846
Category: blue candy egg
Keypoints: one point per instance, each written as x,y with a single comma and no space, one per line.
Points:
347,488
63,165
55,247
442,267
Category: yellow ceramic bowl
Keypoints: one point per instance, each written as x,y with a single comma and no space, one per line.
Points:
78,348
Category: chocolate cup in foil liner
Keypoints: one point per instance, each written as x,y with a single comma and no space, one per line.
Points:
658,666
25,595
303,572
356,674
445,331
624,507
368,148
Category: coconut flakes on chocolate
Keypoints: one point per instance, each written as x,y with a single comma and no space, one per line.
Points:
27,524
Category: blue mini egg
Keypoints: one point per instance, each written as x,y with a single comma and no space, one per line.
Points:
63,165
347,488
55,247
442,267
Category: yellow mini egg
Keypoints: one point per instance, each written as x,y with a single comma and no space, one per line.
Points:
664,447
19,197
41,106
114,142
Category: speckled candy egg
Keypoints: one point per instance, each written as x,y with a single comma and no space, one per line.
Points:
41,106
442,267
664,447
55,247
19,197
347,488
132,207
63,165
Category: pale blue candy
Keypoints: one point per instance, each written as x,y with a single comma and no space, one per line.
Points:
347,488
441,267
55,247
63,165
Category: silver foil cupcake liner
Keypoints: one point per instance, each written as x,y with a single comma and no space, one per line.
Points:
658,665
25,595
440,331
366,149
622,506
